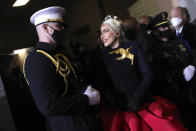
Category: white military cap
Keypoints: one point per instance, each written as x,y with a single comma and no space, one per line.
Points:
50,14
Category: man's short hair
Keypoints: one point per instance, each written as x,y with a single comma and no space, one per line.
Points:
186,12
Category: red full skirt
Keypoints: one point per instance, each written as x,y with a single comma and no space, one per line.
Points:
161,115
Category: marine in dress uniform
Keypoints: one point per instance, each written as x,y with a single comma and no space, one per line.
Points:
123,77
58,93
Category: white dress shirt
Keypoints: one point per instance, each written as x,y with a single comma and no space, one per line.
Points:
178,32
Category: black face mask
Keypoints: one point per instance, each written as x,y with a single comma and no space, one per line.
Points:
58,36
166,34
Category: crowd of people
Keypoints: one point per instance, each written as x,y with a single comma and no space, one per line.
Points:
169,46
139,77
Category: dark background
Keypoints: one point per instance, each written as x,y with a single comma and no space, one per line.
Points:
83,16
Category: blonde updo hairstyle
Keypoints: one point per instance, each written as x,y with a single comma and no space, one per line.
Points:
116,24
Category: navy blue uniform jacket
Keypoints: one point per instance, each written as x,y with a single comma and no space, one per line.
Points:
69,112
119,78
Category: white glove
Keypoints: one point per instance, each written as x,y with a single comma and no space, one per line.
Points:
93,95
189,72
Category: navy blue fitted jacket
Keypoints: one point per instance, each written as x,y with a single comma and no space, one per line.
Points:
120,73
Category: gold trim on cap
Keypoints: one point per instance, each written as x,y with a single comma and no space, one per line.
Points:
58,20
161,23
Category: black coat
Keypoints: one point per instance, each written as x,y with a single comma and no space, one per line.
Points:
119,80
189,34
69,112
169,60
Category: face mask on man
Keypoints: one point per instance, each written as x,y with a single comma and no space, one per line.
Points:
175,21
58,35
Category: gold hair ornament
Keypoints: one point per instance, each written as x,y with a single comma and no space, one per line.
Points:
115,19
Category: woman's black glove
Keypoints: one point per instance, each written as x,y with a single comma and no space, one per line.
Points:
134,103
110,100
116,101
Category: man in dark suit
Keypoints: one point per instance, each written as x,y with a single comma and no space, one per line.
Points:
60,96
180,20
137,32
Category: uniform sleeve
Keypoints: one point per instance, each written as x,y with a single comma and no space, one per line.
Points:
144,69
40,73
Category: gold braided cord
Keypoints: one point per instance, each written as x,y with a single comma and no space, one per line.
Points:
66,61
24,70
63,66
47,55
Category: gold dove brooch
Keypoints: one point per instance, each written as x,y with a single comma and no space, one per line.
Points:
125,53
